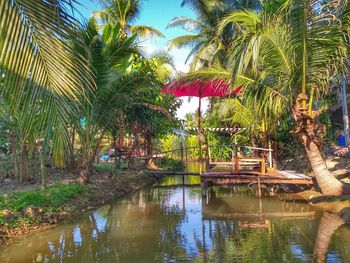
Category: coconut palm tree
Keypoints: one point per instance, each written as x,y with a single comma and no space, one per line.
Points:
125,13
237,112
291,57
41,74
286,56
109,56
207,45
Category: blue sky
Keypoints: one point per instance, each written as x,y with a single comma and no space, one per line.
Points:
158,13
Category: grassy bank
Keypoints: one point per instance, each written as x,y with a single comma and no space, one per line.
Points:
22,212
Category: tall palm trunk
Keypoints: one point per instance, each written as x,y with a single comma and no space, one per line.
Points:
25,173
306,129
14,155
328,225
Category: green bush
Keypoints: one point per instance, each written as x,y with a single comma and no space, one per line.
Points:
52,198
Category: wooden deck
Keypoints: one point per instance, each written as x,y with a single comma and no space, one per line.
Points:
227,177
245,170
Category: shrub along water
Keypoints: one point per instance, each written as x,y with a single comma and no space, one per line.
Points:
22,208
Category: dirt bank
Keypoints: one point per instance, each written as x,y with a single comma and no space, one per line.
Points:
104,187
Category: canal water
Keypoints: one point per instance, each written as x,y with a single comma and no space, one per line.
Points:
174,223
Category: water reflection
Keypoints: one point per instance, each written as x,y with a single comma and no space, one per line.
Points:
174,225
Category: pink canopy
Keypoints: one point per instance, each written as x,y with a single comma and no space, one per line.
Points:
201,89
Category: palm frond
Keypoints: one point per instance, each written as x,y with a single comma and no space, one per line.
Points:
183,41
186,23
35,52
145,32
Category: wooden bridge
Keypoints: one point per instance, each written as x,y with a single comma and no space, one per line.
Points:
245,165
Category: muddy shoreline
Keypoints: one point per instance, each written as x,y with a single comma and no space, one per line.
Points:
104,188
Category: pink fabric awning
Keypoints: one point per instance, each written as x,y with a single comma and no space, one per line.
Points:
201,89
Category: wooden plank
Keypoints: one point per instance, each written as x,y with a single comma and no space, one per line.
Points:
166,173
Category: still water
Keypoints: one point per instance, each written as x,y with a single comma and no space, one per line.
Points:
176,224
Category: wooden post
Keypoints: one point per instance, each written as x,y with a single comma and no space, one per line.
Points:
236,165
263,166
233,161
207,160
200,135
270,155
182,155
204,187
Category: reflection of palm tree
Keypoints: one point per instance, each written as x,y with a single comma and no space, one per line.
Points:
328,225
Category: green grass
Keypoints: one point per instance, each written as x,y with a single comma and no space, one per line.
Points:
51,199
109,167
170,164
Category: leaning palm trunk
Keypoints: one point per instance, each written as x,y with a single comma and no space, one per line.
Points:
328,225
307,130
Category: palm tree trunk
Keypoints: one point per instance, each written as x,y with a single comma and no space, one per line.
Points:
328,184
149,151
24,174
86,171
14,155
328,225
307,131
43,169
86,168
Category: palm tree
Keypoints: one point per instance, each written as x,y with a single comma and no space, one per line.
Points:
116,88
290,58
125,13
42,75
208,46
237,112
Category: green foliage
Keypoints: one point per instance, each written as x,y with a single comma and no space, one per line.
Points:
38,88
50,199
103,167
220,153
3,140
169,164
325,119
124,13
